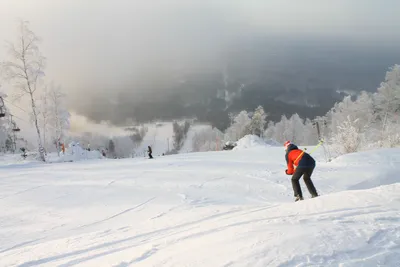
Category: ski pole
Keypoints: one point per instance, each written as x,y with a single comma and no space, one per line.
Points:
315,148
301,154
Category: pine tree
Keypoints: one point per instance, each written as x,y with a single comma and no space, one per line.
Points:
258,121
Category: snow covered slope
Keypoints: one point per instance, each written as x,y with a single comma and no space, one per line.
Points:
157,136
230,208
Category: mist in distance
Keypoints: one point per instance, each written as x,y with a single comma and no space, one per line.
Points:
143,60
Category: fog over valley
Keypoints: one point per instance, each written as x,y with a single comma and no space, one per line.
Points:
138,60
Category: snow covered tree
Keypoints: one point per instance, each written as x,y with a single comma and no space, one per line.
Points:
281,132
44,114
4,129
180,132
239,128
348,137
388,96
209,139
294,129
59,115
257,123
387,103
25,70
369,121
310,134
269,133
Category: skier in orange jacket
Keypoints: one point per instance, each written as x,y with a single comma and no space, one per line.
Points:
299,163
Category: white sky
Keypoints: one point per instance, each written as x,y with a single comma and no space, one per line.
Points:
93,44
85,39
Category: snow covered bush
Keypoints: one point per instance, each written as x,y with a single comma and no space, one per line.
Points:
75,152
250,141
348,136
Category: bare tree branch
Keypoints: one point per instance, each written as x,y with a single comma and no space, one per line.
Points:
25,69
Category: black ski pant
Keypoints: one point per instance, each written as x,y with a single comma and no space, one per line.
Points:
306,173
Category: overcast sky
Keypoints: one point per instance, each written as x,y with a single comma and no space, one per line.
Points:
96,45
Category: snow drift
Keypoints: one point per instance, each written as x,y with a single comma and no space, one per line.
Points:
74,152
253,141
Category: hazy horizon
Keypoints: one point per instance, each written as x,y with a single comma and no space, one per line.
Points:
141,50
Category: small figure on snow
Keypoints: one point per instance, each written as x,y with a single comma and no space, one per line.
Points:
23,150
149,151
304,166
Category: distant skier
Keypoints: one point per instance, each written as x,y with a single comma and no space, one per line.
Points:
150,152
304,166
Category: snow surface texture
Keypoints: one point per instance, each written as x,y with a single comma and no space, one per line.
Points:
201,209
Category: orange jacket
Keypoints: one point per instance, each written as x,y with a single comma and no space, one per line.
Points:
291,160
297,157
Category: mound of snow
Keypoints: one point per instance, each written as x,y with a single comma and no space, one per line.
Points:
377,156
75,152
273,142
250,141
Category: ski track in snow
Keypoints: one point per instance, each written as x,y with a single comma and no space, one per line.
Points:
22,191
231,208
119,213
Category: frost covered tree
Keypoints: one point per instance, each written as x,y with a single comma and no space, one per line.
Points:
348,136
53,115
239,128
376,114
387,103
368,121
258,121
310,134
180,133
25,69
388,94
59,115
280,130
209,139
4,125
269,132
44,113
294,129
